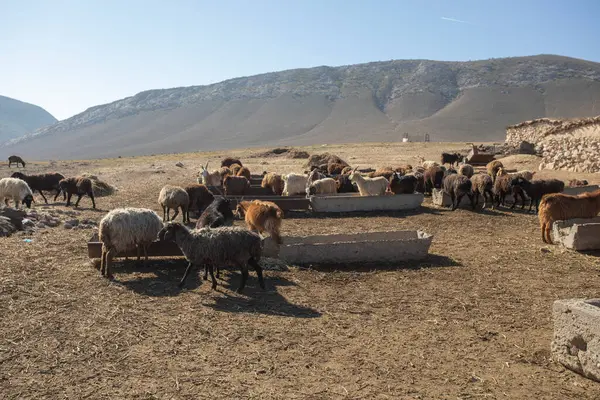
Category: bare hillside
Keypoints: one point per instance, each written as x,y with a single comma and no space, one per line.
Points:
452,101
18,118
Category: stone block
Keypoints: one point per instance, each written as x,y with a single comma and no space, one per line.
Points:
576,342
581,234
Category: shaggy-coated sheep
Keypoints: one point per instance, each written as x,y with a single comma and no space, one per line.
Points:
15,160
420,188
335,169
174,198
218,213
236,185
123,229
501,188
274,182
538,188
434,177
216,247
235,168
322,186
344,185
42,182
294,184
403,184
482,184
577,183
369,186
314,175
492,169
229,161
560,207
16,190
425,164
262,216
209,178
386,172
223,172
200,198
79,186
457,186
245,172
466,170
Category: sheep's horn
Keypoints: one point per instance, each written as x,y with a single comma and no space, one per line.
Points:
206,165
354,170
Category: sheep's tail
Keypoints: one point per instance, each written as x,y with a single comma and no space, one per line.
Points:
279,213
273,225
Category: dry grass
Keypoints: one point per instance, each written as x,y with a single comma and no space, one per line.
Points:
473,321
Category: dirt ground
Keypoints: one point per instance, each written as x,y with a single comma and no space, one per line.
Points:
472,321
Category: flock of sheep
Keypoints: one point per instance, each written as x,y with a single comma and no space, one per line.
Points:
215,242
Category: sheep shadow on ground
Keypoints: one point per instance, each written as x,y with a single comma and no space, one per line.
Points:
257,301
432,261
166,275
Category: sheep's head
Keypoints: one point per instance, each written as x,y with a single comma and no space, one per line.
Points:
27,200
240,209
63,183
518,181
18,175
354,176
168,232
311,190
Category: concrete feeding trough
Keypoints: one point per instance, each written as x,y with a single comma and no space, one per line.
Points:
442,199
352,202
576,342
574,191
363,248
581,234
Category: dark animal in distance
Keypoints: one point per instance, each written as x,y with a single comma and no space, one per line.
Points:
15,160
451,158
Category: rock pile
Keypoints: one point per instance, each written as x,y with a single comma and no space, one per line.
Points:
12,220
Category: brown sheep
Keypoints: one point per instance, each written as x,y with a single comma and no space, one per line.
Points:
244,171
274,182
236,185
386,172
492,169
483,185
335,169
262,216
235,168
79,186
229,161
224,171
434,177
560,207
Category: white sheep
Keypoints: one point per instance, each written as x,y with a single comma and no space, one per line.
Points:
294,184
123,229
174,197
209,178
322,186
17,190
369,186
426,164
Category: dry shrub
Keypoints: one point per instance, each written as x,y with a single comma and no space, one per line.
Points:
282,151
325,158
100,188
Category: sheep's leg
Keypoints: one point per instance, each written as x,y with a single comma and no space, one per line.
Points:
103,261
79,196
6,201
176,213
458,200
212,276
57,193
537,206
515,199
530,204
259,272
69,199
187,271
205,276
218,271
91,194
476,198
43,197
244,269
137,250
109,258
168,212
472,198
453,197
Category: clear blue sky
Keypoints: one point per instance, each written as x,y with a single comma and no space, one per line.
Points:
67,56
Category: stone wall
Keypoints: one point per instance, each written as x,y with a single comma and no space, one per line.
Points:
571,145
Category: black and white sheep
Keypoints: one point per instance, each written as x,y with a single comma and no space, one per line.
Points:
174,198
217,247
124,229
16,190
41,182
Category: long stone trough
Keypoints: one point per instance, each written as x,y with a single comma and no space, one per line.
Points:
353,202
576,342
368,247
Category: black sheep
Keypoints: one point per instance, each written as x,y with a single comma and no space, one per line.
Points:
538,188
344,185
457,186
48,182
406,184
218,213
451,158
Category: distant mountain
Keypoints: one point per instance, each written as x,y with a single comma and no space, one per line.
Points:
18,118
379,101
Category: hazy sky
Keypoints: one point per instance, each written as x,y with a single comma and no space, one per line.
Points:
67,56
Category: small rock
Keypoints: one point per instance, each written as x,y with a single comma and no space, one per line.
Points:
40,225
179,164
68,226
72,222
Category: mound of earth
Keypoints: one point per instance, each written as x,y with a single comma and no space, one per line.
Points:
325,158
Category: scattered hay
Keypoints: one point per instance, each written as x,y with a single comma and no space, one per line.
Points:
100,188
325,158
282,151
